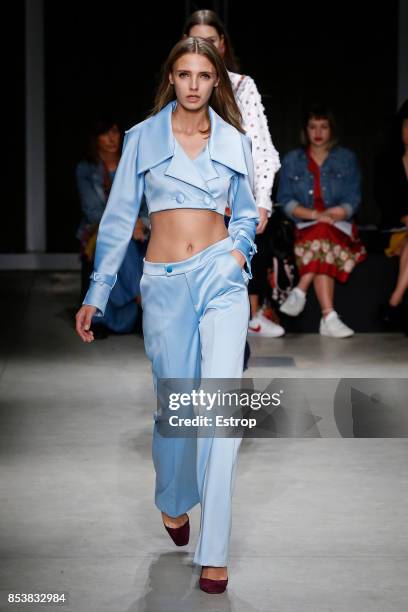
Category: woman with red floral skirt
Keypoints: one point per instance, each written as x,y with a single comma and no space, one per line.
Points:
320,190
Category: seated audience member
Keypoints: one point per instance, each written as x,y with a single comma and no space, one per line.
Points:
319,190
391,191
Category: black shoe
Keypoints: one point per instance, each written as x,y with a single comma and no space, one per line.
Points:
100,331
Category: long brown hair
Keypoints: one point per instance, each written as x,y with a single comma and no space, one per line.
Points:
222,99
210,18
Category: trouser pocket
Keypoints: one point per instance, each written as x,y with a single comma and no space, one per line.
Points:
243,274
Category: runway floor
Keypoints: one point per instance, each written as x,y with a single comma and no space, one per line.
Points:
319,523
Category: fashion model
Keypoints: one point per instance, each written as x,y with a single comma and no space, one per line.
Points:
207,24
190,159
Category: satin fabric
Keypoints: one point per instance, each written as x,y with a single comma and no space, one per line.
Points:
121,309
149,167
195,320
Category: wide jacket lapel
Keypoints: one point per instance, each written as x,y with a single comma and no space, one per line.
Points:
157,143
184,169
207,168
226,144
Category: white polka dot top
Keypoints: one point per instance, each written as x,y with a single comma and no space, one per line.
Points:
265,156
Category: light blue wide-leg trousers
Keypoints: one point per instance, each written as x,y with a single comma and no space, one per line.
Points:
195,321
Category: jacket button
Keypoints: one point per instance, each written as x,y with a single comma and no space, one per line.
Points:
169,269
180,198
207,199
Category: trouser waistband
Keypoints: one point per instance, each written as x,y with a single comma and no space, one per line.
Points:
179,267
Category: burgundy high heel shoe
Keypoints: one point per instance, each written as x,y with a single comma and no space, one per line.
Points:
179,535
213,586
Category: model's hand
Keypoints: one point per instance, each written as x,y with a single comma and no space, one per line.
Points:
239,257
263,220
83,322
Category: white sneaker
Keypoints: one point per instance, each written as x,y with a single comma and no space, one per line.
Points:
294,303
332,326
260,325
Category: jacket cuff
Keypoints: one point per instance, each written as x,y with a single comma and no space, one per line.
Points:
289,207
348,208
248,248
99,290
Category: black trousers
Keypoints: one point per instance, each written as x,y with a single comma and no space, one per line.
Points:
261,261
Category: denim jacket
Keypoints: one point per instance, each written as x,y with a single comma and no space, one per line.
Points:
340,180
89,179
150,168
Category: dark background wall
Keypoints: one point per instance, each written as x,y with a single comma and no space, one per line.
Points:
107,57
12,226
344,54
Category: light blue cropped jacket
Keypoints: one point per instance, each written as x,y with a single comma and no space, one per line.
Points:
149,167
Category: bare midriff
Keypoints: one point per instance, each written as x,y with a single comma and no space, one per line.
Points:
178,234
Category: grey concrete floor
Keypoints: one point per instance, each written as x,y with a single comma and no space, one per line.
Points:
319,524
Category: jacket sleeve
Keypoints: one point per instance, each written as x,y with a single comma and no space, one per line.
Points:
91,205
265,156
244,216
116,226
351,196
285,196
